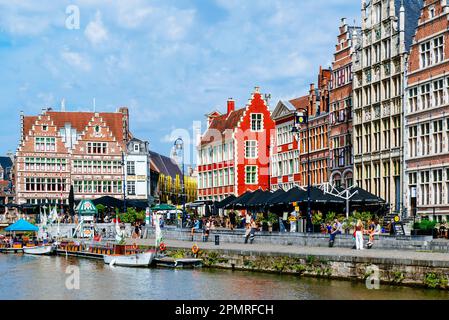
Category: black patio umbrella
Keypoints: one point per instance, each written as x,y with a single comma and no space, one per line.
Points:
319,196
363,197
138,204
225,202
259,199
285,198
108,201
241,201
275,197
72,201
12,205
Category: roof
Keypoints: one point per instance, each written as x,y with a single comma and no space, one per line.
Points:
80,120
222,124
164,165
301,102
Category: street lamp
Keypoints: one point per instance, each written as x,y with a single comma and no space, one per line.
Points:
302,118
179,146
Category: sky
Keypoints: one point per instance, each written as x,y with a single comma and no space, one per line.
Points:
170,62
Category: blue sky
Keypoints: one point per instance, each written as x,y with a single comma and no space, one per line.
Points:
170,62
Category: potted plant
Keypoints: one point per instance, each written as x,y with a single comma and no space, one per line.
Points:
424,228
317,219
272,219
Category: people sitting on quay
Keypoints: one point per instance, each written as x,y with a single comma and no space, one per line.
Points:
337,228
196,226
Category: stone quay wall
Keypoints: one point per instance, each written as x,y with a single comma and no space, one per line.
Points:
373,271
422,243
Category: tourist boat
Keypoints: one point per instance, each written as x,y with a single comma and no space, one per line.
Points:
129,256
40,250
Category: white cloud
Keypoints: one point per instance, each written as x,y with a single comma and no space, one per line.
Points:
95,31
76,59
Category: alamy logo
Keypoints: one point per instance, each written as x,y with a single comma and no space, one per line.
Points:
373,280
72,22
73,280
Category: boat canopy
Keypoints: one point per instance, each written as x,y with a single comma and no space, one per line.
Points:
22,225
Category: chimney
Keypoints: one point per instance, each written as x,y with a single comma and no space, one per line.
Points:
125,125
343,22
231,106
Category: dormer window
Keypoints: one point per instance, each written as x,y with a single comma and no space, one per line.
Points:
136,148
97,129
44,128
431,12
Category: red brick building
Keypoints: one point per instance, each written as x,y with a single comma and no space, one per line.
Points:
340,131
60,149
234,152
427,115
289,164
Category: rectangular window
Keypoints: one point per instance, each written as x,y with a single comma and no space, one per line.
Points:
131,168
131,188
97,147
251,149
438,49
425,54
251,174
256,122
425,188
438,136
413,141
425,139
413,99
438,92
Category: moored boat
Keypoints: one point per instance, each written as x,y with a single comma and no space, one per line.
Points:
40,250
142,260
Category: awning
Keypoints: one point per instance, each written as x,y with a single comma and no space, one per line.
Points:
22,225
108,201
87,208
163,207
225,202
241,201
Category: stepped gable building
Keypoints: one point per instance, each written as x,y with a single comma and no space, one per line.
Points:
378,70
340,131
234,152
427,115
58,150
285,172
289,159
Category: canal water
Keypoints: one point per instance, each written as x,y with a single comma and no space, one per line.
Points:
29,277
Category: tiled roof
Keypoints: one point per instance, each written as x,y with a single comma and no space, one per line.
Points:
222,124
164,165
79,121
301,102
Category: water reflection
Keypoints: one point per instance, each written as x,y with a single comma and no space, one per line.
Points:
28,277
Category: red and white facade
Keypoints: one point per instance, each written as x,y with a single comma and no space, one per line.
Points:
60,149
234,155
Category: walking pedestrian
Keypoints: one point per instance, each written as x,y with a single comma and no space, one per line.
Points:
359,230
